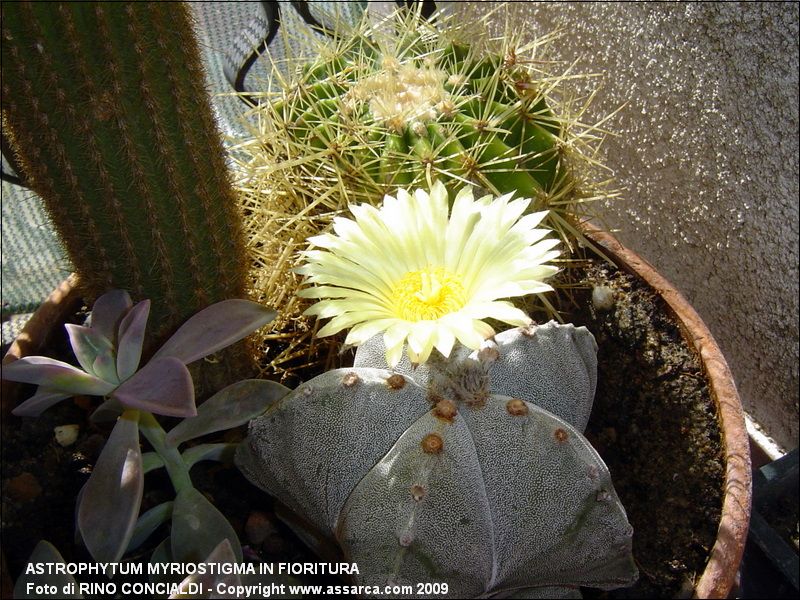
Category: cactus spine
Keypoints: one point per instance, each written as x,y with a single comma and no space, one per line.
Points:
111,124
374,112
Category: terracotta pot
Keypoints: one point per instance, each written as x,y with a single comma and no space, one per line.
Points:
720,574
61,303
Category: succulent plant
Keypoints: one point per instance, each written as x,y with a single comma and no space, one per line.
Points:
389,117
111,124
402,104
109,351
472,471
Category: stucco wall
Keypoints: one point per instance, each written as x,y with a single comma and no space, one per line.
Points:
708,154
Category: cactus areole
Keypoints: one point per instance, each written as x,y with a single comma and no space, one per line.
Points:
445,474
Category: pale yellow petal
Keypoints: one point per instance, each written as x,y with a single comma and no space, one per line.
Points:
445,339
333,307
346,320
511,289
484,329
413,357
394,354
421,336
394,338
396,334
532,220
362,332
501,311
463,328
330,291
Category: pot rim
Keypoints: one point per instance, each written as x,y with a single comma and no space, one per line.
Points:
56,307
50,310
720,573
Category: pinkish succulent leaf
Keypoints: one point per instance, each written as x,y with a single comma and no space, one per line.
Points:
45,553
55,375
198,527
108,311
105,367
219,452
131,338
148,523
164,387
88,344
230,407
214,328
39,402
111,498
211,579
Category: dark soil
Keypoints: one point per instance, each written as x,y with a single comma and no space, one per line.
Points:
653,422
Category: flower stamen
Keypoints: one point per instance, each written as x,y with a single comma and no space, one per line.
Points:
428,294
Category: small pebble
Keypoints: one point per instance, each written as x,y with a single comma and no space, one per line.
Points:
83,402
23,488
66,435
258,527
603,297
91,447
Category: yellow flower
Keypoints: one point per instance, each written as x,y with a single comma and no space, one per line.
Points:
417,275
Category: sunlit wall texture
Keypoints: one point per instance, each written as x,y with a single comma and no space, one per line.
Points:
707,152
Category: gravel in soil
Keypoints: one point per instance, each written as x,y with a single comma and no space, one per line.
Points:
653,422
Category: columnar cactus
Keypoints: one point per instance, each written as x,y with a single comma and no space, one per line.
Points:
452,474
112,127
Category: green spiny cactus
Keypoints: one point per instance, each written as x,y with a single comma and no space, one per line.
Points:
402,104
391,119
111,124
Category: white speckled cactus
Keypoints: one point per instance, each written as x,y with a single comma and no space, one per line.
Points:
471,471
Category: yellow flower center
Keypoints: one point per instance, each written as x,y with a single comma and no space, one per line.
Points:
428,294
